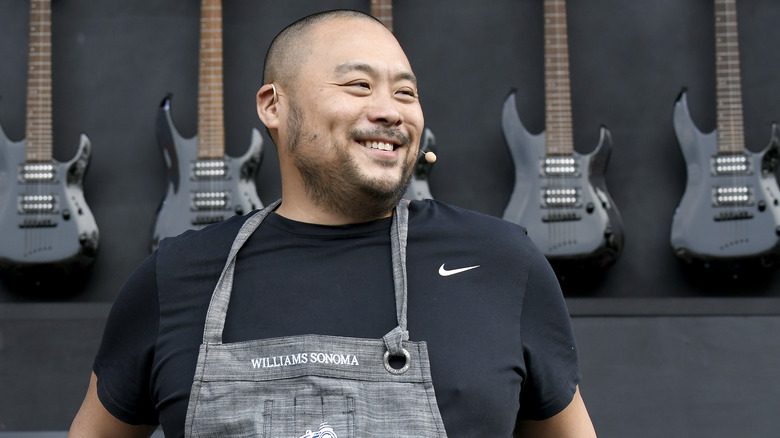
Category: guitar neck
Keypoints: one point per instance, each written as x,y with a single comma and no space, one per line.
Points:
731,139
211,121
38,130
382,10
557,92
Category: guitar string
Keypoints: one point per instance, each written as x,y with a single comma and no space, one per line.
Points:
561,230
732,51
37,118
729,52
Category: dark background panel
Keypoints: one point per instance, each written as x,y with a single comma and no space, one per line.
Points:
680,376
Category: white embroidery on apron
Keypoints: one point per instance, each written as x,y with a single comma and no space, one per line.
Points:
304,358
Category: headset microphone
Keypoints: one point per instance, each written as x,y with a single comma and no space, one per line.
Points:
430,157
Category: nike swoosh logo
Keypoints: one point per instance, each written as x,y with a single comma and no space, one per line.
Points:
447,272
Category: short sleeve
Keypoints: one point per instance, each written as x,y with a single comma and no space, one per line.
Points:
124,360
549,347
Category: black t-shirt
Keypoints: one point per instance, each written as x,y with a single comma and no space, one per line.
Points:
499,335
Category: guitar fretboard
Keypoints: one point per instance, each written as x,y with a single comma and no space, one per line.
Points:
211,122
558,120
38,129
731,138
382,10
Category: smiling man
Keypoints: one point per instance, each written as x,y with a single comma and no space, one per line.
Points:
331,313
345,115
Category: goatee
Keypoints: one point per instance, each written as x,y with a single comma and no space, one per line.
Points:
339,186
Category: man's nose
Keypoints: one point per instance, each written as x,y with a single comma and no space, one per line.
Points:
384,110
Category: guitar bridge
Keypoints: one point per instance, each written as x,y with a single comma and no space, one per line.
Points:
733,215
37,223
568,216
207,219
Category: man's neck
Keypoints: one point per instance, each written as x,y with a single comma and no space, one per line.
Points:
309,212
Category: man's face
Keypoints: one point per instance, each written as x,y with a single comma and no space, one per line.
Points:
355,121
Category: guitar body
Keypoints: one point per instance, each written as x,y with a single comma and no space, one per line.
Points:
46,221
569,216
418,188
201,192
743,221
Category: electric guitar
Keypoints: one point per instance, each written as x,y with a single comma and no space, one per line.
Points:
418,187
205,185
45,220
560,195
730,209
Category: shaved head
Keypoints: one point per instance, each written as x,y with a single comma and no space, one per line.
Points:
290,48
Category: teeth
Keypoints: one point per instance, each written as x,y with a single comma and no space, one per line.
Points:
379,145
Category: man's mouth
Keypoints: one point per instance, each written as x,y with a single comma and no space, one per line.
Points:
381,145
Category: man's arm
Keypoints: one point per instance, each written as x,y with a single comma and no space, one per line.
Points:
94,421
572,422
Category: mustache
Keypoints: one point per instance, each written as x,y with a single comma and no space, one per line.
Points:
394,134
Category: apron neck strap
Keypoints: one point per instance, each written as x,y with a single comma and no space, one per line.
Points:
398,232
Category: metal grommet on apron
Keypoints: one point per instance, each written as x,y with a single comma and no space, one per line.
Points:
313,386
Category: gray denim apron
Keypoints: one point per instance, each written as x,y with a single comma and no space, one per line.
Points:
313,386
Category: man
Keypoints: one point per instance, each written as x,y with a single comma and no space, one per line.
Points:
293,336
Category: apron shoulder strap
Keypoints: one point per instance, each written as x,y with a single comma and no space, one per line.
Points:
220,298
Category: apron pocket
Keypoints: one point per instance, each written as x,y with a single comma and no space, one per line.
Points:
311,416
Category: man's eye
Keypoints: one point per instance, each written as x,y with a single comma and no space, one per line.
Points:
408,92
361,85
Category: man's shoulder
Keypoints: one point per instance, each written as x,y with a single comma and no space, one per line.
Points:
443,225
219,233
451,217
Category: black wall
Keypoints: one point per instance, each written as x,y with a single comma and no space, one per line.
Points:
114,62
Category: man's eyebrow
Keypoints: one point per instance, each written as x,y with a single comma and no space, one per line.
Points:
360,66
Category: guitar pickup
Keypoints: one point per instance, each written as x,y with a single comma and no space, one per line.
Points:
736,164
555,197
37,204
209,169
732,196
200,201
37,173
560,166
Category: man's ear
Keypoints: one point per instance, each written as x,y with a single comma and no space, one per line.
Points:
267,100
